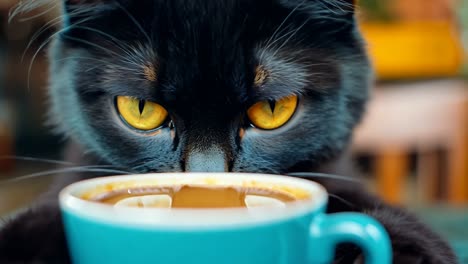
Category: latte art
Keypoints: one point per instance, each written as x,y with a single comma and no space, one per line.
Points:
195,196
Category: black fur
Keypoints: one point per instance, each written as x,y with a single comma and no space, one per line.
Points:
206,53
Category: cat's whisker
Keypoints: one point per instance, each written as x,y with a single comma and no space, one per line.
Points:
42,47
92,68
291,36
91,44
81,169
136,69
49,161
278,39
328,9
23,7
120,44
75,39
52,23
281,25
53,6
79,58
312,175
137,24
342,200
340,5
83,58
136,168
136,55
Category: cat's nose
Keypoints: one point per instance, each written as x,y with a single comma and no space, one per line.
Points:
212,159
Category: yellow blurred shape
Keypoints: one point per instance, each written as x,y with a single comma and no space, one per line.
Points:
414,49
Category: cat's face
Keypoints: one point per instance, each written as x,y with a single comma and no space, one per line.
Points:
206,63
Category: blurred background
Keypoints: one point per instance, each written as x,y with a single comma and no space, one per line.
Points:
412,145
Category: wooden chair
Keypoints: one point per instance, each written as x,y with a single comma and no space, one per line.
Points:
418,117
6,137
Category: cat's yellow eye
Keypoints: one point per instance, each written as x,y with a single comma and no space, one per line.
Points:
140,114
272,114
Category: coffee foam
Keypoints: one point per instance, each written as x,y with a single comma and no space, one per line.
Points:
295,192
71,201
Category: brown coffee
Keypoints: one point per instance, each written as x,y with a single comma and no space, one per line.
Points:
188,196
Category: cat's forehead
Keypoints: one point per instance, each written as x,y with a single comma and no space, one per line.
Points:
200,49
209,42
206,9
208,24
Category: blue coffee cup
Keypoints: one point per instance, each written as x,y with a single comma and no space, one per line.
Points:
299,232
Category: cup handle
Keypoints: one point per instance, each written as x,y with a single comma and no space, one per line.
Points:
327,231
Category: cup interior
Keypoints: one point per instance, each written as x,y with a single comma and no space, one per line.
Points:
74,199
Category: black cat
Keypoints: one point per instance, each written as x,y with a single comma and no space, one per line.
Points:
272,86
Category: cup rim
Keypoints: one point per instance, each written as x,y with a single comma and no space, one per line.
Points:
193,219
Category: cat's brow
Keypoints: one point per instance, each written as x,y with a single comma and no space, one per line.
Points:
284,76
149,71
294,72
